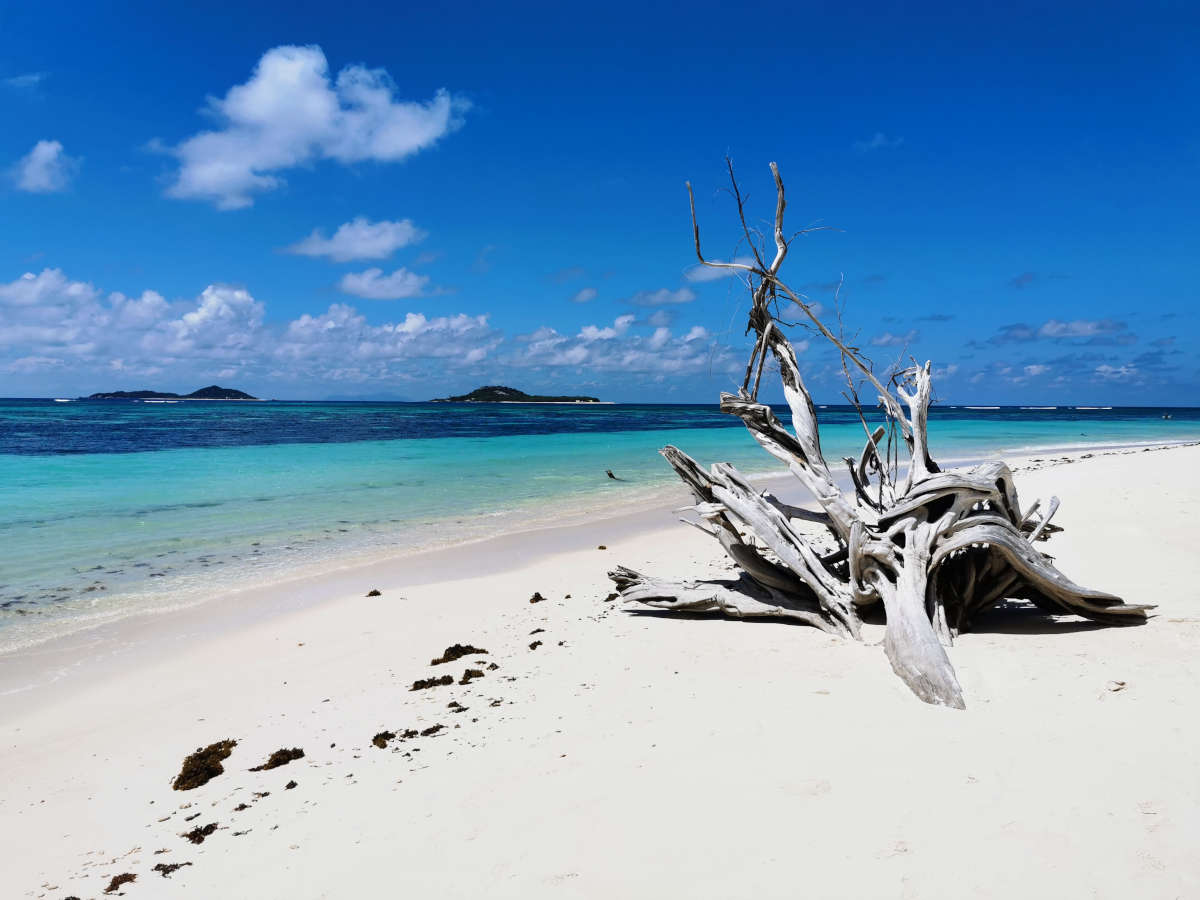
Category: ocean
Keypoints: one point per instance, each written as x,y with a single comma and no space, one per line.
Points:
109,508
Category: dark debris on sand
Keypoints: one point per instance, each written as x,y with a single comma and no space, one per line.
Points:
381,740
374,593
289,785
118,880
537,597
198,834
280,757
456,651
455,706
423,683
470,675
203,765
432,730
165,869
535,645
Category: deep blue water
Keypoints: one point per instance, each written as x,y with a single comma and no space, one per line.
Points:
115,426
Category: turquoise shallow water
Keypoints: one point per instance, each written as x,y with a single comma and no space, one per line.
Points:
107,509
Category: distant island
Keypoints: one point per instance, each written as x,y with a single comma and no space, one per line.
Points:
497,393
212,392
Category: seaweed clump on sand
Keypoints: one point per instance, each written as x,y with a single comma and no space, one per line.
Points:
118,880
374,593
165,869
203,765
537,597
423,683
381,740
199,833
456,651
535,645
280,757
432,730
289,785
470,675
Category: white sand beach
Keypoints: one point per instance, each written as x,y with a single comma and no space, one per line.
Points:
627,755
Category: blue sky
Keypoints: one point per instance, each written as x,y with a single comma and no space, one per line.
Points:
409,201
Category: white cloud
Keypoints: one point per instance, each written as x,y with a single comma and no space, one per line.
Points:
360,238
616,348
586,295
887,339
1036,369
663,297
1079,328
290,113
877,141
619,326
699,273
1126,372
225,322
346,348
51,323
26,82
45,169
945,371
374,285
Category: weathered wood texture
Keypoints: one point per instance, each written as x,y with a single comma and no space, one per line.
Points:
935,548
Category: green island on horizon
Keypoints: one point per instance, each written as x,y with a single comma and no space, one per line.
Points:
212,392
496,393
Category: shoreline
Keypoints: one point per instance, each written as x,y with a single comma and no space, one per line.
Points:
193,590
51,663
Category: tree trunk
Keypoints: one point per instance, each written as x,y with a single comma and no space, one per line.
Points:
935,548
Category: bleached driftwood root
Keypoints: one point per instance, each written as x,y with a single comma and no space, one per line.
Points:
935,548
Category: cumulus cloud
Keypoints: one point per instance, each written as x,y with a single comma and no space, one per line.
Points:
616,348
54,329
586,295
291,113
49,322
1080,328
619,326
663,297
73,321
699,273
1076,331
1124,372
360,238
374,285
352,349
887,339
45,169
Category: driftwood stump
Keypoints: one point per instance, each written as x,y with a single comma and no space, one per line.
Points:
935,548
